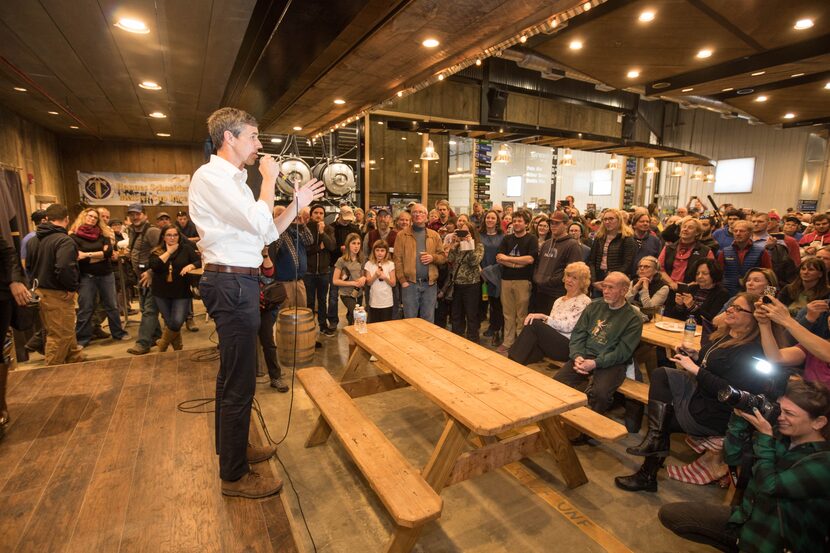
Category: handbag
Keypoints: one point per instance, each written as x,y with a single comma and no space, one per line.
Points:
274,293
448,289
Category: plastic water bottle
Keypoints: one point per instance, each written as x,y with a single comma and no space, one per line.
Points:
360,320
689,333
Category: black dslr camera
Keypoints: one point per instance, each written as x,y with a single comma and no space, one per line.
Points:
746,402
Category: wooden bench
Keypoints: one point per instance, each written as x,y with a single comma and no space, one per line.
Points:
406,495
594,424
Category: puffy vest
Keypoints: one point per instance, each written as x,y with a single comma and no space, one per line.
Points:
733,269
699,251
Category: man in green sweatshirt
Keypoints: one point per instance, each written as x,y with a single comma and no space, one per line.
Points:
602,343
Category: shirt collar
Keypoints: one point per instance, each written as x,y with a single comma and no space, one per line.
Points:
227,167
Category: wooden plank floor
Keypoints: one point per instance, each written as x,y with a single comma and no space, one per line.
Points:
97,458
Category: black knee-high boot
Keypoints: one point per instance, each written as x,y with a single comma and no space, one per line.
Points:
644,480
656,441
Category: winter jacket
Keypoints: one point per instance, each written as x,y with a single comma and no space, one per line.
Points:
53,259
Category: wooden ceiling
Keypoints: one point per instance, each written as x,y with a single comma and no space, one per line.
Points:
73,60
752,42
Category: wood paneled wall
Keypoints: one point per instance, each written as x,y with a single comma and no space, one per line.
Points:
78,154
779,158
34,150
448,101
531,110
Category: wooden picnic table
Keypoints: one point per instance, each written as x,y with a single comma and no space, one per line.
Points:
665,338
503,410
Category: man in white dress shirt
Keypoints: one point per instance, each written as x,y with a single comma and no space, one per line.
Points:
234,228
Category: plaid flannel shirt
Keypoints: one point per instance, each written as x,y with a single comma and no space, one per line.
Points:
786,506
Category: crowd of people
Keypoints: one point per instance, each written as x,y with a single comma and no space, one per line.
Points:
576,288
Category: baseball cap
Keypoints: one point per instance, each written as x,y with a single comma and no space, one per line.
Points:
162,214
135,208
346,213
116,222
382,211
774,215
180,213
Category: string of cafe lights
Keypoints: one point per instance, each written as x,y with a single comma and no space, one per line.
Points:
549,26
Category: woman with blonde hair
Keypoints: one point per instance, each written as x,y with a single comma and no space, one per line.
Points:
549,335
95,250
613,248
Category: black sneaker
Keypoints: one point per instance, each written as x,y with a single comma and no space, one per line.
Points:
279,384
328,331
99,334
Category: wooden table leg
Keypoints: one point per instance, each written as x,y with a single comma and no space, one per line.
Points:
321,432
436,472
563,452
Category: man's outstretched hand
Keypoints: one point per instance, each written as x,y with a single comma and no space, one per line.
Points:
310,191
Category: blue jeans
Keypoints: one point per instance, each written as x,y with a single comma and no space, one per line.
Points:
419,300
233,302
149,330
316,288
331,313
173,311
93,286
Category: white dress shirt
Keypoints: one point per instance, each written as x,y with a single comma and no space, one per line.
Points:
232,225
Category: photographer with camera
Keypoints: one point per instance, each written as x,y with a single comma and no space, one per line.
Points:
786,504
686,399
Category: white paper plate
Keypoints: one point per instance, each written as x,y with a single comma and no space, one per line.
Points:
675,327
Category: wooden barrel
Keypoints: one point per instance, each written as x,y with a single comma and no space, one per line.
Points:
296,334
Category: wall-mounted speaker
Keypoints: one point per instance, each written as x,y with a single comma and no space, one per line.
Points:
497,103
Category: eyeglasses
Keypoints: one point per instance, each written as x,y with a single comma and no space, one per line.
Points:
738,308
609,219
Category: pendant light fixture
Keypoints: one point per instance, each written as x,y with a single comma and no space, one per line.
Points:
651,166
614,163
504,155
429,153
709,178
697,175
567,158
677,170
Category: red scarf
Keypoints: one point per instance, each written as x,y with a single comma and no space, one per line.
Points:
89,232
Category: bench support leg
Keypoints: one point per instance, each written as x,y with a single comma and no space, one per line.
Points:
563,452
436,473
320,434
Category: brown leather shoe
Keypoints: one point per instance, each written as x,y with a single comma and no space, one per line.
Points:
258,454
253,486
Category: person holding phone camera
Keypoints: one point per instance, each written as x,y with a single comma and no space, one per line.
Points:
704,298
810,284
786,504
686,399
464,258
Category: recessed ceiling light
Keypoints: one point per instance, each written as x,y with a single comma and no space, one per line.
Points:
298,128
727,89
73,126
646,16
163,134
430,43
478,61
827,85
761,99
339,101
687,90
633,74
158,115
404,138
20,89
789,116
758,73
276,140
802,24
149,85
380,122
52,112
796,75
132,26
575,45
523,39
705,53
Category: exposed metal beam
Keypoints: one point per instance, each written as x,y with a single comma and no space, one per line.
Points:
776,85
786,54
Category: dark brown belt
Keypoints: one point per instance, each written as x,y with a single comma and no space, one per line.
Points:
231,269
